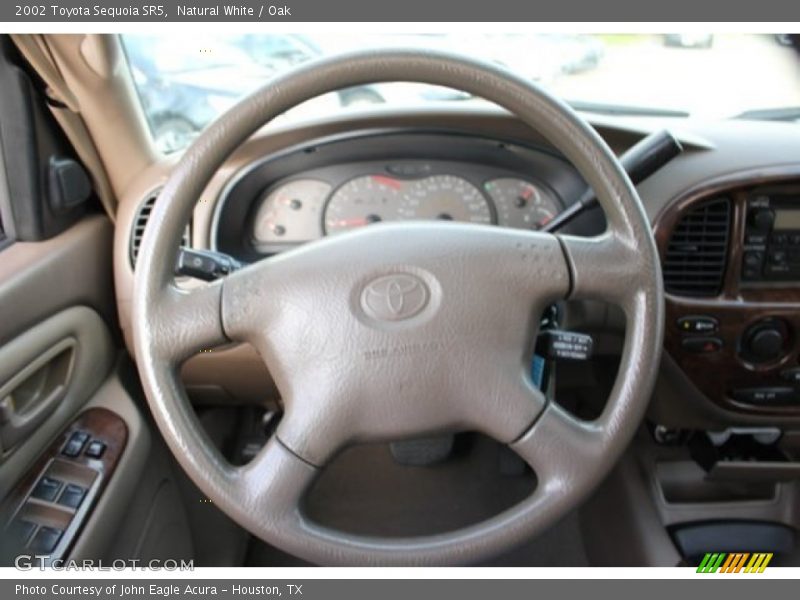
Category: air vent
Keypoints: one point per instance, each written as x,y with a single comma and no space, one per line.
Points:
694,264
140,222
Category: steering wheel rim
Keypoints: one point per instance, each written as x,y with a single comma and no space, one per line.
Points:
270,303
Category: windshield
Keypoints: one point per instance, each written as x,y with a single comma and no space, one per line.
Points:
185,82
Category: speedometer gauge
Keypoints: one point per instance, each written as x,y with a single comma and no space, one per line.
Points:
363,201
521,204
446,197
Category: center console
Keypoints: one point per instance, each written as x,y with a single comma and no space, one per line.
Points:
771,244
731,258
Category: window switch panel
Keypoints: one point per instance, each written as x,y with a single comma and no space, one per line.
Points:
47,489
72,496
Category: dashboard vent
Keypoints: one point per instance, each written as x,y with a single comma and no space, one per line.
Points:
694,264
140,222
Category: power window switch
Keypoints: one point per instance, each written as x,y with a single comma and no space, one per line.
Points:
46,540
47,489
72,496
21,531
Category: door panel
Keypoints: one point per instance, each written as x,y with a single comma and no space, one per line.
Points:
37,279
46,375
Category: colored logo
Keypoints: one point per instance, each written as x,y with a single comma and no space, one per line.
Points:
736,562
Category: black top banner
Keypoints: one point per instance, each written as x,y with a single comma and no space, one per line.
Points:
258,11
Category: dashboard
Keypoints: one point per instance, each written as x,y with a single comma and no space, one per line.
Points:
732,335
732,276
382,177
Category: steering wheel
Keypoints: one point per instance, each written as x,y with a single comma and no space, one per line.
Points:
400,330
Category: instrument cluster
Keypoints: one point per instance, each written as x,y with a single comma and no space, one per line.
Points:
310,205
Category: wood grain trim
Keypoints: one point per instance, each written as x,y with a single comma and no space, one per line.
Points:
737,306
101,424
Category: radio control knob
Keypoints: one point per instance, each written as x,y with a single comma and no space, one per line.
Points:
764,342
762,219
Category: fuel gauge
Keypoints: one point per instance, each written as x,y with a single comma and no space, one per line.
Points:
521,204
291,213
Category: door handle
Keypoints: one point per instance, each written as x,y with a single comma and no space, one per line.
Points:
33,393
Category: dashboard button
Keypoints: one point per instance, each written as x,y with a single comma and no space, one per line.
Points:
753,259
701,345
777,256
750,273
762,219
792,375
777,269
698,324
766,395
780,238
72,496
46,539
95,449
21,531
75,444
46,489
756,239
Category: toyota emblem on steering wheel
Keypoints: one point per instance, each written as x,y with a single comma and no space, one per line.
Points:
394,297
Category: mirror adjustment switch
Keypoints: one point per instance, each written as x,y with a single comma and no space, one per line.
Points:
47,489
46,539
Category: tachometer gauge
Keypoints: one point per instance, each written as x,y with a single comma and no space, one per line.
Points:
446,197
521,204
363,201
291,212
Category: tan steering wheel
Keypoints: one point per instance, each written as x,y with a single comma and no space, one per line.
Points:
449,351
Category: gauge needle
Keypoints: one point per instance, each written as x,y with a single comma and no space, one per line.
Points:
355,222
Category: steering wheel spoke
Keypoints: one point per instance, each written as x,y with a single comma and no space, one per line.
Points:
185,322
561,448
605,268
273,483
503,404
